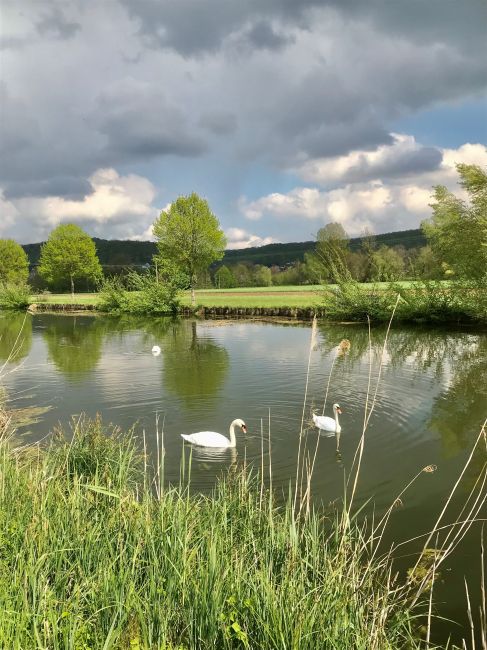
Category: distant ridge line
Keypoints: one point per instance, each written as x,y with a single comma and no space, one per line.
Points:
124,252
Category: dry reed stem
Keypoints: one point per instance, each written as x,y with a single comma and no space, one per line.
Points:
469,612
430,602
270,455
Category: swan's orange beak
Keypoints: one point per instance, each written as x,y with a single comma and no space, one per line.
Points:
244,428
339,411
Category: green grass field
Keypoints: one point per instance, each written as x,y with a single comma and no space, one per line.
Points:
287,296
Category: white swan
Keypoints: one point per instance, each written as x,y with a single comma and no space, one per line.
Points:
156,350
329,424
213,439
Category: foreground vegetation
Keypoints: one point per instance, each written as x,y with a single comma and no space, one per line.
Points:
97,552
93,556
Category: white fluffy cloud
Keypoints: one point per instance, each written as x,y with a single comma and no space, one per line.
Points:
124,202
239,238
383,203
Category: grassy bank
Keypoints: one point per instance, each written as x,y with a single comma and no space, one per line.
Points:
94,556
436,302
267,297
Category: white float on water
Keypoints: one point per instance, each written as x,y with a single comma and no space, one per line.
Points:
156,350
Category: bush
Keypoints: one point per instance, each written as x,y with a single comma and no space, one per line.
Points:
428,300
14,296
351,300
141,294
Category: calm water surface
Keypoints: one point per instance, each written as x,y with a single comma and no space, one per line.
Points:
431,402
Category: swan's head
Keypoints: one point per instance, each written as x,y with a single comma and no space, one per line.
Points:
337,409
241,424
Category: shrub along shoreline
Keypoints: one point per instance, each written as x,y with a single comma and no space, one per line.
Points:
423,301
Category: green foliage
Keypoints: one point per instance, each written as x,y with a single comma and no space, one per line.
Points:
90,559
143,293
14,296
457,231
189,235
68,255
328,262
296,274
422,301
387,264
242,274
14,265
424,265
224,278
262,276
353,301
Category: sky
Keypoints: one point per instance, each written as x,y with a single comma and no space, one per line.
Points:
284,114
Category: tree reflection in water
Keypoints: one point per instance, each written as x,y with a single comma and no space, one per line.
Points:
15,336
194,368
74,344
457,359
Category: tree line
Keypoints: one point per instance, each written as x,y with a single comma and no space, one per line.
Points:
190,246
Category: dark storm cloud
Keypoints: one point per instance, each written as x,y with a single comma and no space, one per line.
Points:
335,140
68,187
38,158
462,23
129,122
139,123
263,36
192,26
123,82
130,139
219,122
13,42
54,24
395,165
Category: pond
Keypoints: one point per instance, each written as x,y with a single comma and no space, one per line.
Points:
430,405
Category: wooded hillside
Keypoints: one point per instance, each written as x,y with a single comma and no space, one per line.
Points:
115,252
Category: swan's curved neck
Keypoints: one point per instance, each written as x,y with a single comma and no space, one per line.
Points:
233,440
336,419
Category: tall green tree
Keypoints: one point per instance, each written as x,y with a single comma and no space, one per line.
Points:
262,276
14,264
189,234
69,254
224,278
387,264
329,260
457,230
242,274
